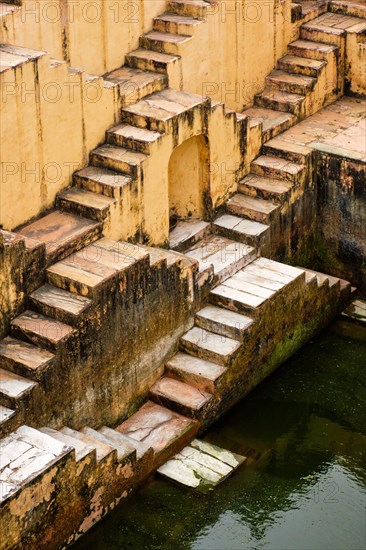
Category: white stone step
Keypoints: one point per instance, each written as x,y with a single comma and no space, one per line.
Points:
82,450
102,451
187,233
204,375
201,466
132,446
14,388
224,255
223,322
209,346
238,229
124,452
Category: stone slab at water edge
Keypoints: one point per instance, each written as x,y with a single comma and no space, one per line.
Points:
201,466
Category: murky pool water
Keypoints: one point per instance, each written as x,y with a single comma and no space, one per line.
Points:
304,484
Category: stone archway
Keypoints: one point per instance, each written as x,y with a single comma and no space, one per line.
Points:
188,179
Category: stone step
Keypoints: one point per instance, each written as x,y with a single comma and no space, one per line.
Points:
118,159
102,181
259,210
132,137
312,50
163,42
25,359
341,21
165,431
180,397
26,455
294,152
201,466
14,389
313,8
8,419
96,267
203,375
356,311
209,346
276,272
177,24
170,257
248,295
15,56
187,233
125,453
223,322
41,330
103,452
84,453
355,8
273,122
135,84
240,296
238,229
148,60
278,191
301,65
62,233
280,100
293,83
224,255
264,278
317,32
278,168
191,8
85,203
322,278
141,450
155,112
60,304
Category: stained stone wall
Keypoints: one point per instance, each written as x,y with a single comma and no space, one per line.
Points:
341,231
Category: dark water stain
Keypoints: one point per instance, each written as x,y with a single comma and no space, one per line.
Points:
304,484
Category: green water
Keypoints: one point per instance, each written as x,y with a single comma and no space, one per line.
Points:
304,484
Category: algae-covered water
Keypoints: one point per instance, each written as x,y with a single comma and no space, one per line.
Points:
304,484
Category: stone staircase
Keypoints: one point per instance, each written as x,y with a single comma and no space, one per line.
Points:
45,337
161,49
310,75
107,190
197,378
232,335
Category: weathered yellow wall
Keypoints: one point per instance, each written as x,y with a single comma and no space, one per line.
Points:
188,178
355,72
50,119
92,34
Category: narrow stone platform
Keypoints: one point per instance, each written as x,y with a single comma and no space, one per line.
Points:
201,466
356,311
338,129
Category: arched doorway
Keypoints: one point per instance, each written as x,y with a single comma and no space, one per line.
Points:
188,179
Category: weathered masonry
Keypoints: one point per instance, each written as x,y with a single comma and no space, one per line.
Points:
168,211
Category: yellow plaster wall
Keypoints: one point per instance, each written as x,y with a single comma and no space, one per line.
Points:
355,71
92,34
50,119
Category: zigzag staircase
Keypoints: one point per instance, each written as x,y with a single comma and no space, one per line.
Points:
242,287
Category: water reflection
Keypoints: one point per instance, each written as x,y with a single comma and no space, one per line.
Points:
304,485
